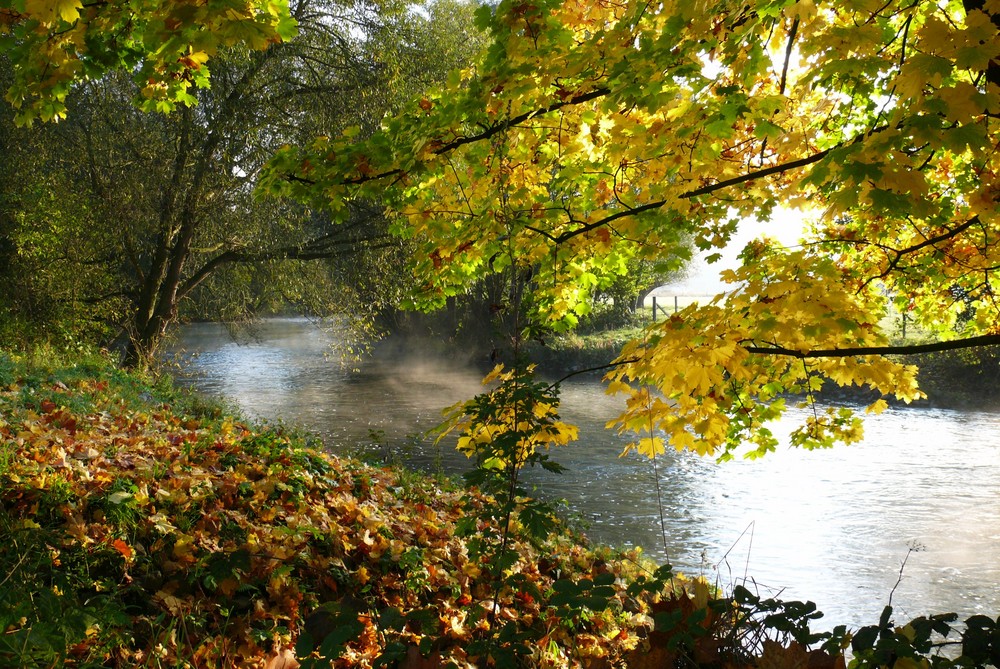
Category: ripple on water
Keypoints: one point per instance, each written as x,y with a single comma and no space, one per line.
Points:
832,526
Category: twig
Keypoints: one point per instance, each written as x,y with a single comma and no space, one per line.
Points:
913,547
577,372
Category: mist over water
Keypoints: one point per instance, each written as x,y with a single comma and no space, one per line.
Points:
831,526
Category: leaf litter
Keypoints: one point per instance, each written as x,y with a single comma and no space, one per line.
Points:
221,544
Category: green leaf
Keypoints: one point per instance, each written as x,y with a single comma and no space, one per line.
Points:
119,497
865,638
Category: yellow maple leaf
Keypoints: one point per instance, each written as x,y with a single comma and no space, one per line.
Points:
184,549
50,11
877,407
68,10
965,102
682,439
648,446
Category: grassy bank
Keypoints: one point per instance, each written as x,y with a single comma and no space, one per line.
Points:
143,527
148,529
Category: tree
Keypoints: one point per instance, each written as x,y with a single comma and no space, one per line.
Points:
47,261
47,252
166,45
593,134
628,291
174,220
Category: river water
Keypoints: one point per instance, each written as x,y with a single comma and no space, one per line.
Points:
830,526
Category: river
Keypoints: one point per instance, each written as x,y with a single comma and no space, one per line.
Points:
829,526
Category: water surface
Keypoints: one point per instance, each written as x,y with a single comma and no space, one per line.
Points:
831,526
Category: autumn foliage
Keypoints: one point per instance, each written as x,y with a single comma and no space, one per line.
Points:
145,534
55,44
144,528
588,136
594,134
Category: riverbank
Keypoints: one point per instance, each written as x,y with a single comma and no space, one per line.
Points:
149,527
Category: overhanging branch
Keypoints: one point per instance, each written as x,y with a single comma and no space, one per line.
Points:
330,249
711,188
487,133
905,349
931,241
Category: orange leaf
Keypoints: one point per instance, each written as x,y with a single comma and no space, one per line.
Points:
123,548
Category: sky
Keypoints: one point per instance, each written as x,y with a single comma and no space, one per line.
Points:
703,279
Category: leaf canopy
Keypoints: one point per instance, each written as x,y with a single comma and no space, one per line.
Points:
166,44
592,133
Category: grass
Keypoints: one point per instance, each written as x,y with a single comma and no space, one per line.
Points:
147,528
144,527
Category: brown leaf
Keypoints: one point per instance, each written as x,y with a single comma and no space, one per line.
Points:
776,656
657,658
819,659
282,658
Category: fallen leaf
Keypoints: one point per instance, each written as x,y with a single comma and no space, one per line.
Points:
282,658
119,497
415,660
123,548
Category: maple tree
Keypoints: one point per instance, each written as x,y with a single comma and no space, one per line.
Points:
167,45
591,134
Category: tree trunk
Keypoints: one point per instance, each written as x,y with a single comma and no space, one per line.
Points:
161,292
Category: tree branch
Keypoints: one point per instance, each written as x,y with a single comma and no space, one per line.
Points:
588,370
489,132
704,190
893,263
308,251
788,55
906,349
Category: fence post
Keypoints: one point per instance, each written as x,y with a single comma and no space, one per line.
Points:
675,304
654,309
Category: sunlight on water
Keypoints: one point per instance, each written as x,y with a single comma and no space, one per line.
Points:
832,526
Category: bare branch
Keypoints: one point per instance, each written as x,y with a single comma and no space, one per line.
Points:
788,55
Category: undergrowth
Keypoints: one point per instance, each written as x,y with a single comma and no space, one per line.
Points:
143,527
